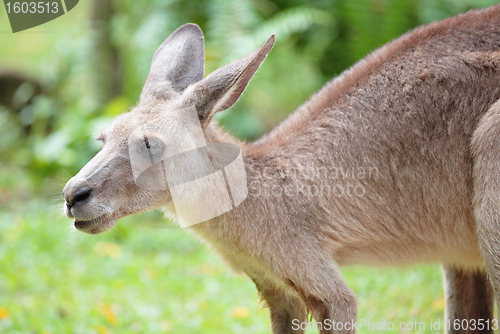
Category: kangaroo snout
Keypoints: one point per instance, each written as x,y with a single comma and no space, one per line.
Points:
76,194
90,216
84,202
104,191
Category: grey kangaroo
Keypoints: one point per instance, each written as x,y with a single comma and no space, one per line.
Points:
394,162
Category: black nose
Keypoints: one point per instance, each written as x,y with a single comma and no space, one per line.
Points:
78,195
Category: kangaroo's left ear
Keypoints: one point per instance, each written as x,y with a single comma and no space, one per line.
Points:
222,88
177,63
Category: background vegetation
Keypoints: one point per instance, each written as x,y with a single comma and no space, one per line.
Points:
62,82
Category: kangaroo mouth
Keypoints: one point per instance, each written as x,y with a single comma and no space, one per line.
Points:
96,225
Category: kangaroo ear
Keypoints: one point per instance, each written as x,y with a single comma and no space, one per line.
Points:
222,88
177,63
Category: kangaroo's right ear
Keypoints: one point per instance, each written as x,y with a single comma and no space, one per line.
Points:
177,63
222,88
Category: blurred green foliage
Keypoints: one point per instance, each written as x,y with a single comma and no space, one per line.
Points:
316,40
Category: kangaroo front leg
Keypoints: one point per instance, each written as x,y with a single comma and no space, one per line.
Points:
287,312
469,297
334,316
328,298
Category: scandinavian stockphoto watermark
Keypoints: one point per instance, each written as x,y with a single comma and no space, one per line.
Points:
204,180
308,180
28,14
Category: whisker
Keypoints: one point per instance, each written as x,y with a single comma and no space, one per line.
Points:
118,230
89,125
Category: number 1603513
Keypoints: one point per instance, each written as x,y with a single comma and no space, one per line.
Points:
32,7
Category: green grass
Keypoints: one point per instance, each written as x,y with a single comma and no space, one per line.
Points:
150,277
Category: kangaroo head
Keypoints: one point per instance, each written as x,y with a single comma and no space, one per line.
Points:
142,154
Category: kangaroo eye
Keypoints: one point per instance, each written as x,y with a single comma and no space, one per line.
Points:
152,147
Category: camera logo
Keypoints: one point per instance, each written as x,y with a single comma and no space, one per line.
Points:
26,14
204,180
